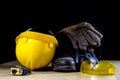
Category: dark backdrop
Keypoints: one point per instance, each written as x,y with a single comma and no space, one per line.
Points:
18,18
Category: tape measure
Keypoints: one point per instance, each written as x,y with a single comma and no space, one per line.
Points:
19,71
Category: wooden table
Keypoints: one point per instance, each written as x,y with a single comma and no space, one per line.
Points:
52,75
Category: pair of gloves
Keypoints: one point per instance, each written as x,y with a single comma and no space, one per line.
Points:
83,36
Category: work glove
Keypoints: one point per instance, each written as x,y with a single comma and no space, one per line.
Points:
83,36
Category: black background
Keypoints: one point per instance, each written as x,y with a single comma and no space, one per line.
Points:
43,16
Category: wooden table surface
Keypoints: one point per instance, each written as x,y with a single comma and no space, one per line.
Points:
52,75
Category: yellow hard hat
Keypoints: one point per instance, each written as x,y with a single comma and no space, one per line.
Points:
35,50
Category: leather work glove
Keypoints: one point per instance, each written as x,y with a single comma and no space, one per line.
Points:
83,36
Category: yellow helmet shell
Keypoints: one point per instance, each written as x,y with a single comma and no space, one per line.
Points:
35,50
